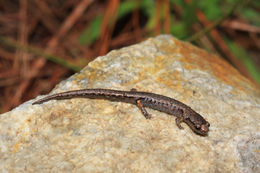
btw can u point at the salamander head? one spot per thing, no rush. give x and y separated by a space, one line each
198 124
202 129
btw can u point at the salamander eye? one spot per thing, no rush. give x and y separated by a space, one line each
198 126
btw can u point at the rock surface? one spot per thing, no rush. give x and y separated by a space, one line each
83 135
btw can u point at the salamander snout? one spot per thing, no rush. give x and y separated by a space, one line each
202 129
205 127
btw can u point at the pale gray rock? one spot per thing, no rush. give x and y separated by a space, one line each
84 135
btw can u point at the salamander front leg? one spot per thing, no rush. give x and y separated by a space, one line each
178 121
143 110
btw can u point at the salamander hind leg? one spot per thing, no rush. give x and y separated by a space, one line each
143 110
178 121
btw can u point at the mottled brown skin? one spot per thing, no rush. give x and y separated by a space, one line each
158 102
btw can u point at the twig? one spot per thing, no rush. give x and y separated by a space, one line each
222 45
36 51
69 22
214 24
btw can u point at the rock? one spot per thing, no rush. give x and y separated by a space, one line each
85 135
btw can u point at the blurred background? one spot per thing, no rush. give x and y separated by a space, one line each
45 41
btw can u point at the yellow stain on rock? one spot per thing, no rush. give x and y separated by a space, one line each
22 132
213 63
